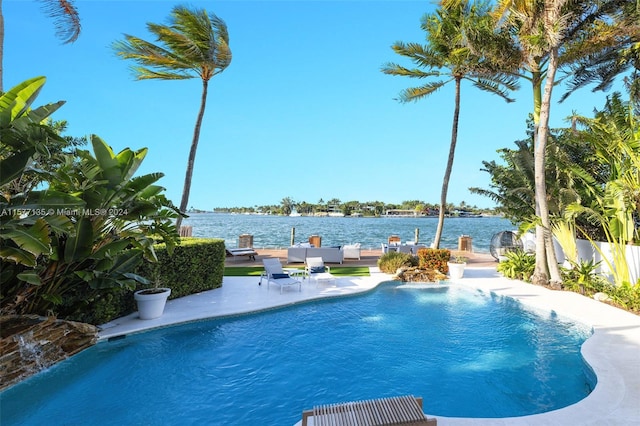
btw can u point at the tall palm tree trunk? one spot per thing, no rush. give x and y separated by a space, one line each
545 252
536 82
447 172
192 153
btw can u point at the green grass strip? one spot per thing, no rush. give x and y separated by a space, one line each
350 271
255 271
243 271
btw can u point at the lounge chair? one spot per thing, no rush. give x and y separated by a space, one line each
274 274
317 270
237 252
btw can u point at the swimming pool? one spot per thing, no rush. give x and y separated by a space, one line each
469 354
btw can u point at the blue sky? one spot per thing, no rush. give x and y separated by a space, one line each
303 110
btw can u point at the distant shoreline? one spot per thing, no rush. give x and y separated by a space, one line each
423 216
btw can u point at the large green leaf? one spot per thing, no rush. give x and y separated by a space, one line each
59 224
127 261
86 275
151 191
79 246
18 99
132 163
110 249
142 183
31 277
138 278
18 256
104 154
42 201
104 264
12 167
34 239
41 113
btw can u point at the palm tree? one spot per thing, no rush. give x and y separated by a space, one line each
545 30
513 179
605 50
193 44
287 204
66 20
450 56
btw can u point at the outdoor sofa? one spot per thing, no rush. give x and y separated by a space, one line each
299 254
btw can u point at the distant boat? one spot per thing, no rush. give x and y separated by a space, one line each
294 213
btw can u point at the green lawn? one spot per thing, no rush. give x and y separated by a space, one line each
255 271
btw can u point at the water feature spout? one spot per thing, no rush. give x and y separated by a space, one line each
31 352
31 344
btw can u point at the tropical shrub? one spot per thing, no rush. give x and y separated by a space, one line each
626 296
518 265
435 259
583 278
391 261
86 231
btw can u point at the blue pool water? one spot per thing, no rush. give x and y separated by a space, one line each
468 353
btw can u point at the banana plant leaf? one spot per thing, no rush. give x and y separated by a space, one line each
17 255
31 277
44 200
79 245
33 239
12 167
18 99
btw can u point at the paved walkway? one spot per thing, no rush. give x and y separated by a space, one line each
613 351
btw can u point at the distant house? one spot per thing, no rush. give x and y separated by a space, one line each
403 213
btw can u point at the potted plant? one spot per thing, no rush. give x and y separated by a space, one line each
456 267
151 301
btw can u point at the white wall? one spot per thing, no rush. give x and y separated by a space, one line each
586 251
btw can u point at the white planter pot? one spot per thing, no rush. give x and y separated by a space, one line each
456 270
151 305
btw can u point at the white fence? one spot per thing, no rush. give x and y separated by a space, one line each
586 251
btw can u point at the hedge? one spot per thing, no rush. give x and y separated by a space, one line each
196 265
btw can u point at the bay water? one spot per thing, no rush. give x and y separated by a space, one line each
276 231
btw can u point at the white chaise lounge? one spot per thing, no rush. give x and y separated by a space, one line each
274 274
239 252
317 270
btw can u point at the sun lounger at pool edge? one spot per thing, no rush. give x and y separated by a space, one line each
274 274
249 252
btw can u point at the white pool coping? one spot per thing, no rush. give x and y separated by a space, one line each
613 351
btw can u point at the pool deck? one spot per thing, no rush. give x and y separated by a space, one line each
613 351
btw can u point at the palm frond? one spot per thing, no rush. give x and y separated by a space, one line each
395 69
422 56
65 17
416 93
192 44
492 86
